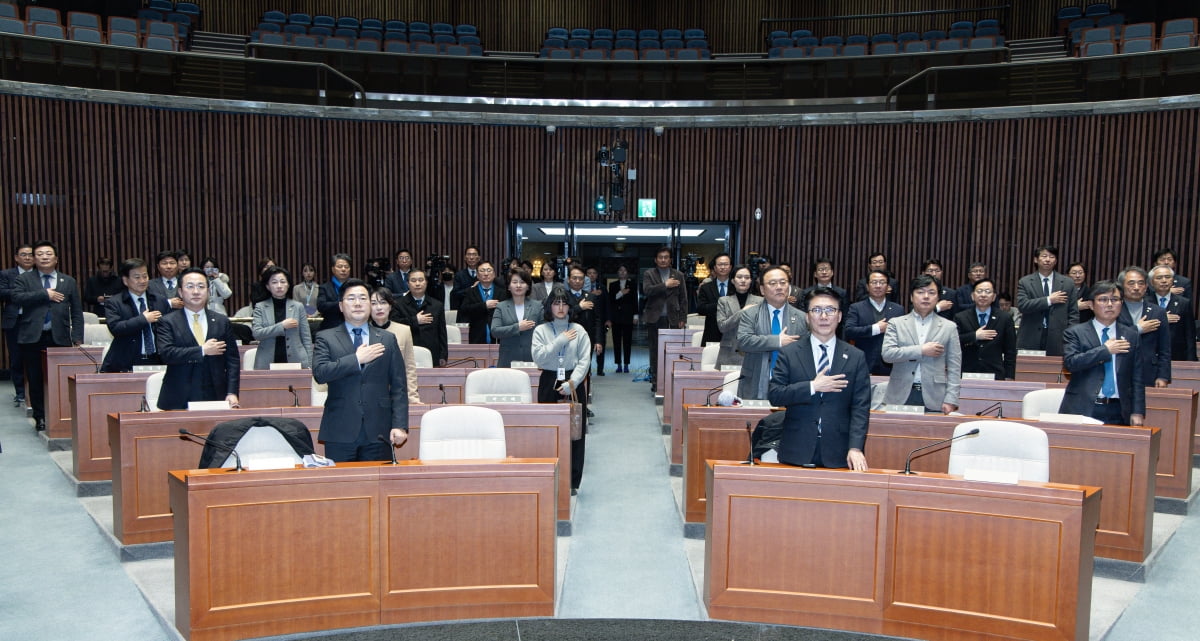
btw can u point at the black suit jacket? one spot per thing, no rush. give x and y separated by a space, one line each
371 397
462 284
475 312
1183 333
431 336
592 319
1032 303
1084 358
66 318
1155 348
621 310
126 324
192 376
858 322
706 305
8 282
329 305
397 282
860 290
997 356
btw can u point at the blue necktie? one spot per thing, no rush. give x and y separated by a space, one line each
487 327
722 285
1110 377
776 328
358 340
983 320
147 333
1162 302
46 285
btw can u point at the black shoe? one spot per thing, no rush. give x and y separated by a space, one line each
574 491
590 414
600 373
40 425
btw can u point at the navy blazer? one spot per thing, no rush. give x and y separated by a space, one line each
371 397
1183 333
66 318
431 336
189 371
474 311
1155 348
843 415
707 297
329 299
997 356
8 281
859 320
126 324
1084 358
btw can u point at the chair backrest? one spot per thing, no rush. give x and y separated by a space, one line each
708 356
86 34
260 441
462 432
153 388
12 25
8 10
497 380
1106 48
885 48
1176 41
857 49
122 39
83 19
982 42
159 43
950 44
423 356
698 337
96 334
916 46
1041 401
248 358
47 30
1138 30
1137 45
858 39
451 316
1179 25
336 43
623 54
695 320
1001 446
42 14
453 335
318 393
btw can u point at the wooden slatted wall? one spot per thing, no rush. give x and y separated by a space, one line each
128 181
732 25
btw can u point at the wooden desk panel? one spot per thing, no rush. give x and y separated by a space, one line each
484 355
686 388
713 433
485 531
1187 374
885 553
671 337
1044 369
676 362
1173 410
59 364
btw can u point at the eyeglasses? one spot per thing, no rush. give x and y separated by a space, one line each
777 283
823 311
355 299
984 292
1107 301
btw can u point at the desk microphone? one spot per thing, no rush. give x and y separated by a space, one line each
145 406
220 446
691 363
89 356
391 447
750 434
708 398
474 363
908 462
998 406
295 396
442 389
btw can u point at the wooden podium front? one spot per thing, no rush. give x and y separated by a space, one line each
929 556
280 552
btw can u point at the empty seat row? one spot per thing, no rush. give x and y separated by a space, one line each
1092 10
1137 45
1118 34
886 48
351 22
89 35
629 34
371 45
624 54
805 38
623 43
345 32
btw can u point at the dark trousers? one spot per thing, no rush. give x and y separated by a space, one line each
362 449
1110 413
16 367
622 335
653 328
548 393
31 357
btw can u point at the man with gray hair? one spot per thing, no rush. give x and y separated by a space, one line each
1180 319
1150 320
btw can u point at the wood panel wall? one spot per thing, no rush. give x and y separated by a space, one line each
128 181
732 25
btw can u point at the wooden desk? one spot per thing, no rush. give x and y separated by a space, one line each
676 361
145 446
366 544
930 556
95 396
1119 459
453 379
61 363
1046 369
671 337
1187 374
687 388
484 355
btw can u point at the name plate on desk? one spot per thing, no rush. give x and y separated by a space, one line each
208 405
753 402
149 368
731 368
978 376
523 364
285 366
903 409
502 398
1031 352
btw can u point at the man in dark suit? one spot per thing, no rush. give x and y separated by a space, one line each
987 335
963 298
588 310
824 384
330 293
595 287
198 348
12 311
1152 325
1180 319
51 316
397 281
867 322
622 305
367 406
479 304
1182 285
1047 302
465 278
945 304
878 262
1101 355
101 285
132 316
822 274
710 293
666 303
424 316
166 284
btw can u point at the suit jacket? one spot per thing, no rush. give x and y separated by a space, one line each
941 376
66 318
538 291
475 312
515 345
591 319
729 316
997 356
268 329
397 282
860 290
1032 303
373 397
8 282
706 305
1085 358
192 376
621 310
756 342
843 415
160 289
1183 333
431 336
462 284
859 320
656 293
329 305
126 323
1155 347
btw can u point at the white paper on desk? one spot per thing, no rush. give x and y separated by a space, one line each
208 405
285 366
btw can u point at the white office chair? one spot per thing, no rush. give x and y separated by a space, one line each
1041 401
451 317
695 320
153 387
261 443
244 312
248 358
318 394
708 356
104 352
96 334
731 380
462 432
453 335
90 319
483 383
1002 446
697 339
423 356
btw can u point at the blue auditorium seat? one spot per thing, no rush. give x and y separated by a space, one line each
278 17
982 42
396 25
694 34
696 44
466 30
672 34
649 44
161 5
626 34
593 54
47 30
373 24
606 34
441 27
885 48
469 40
43 14
962 24
304 41
824 51
858 39
269 38
687 54
348 22
418 27
10 25
1175 41
585 34
324 21
654 54
395 46
320 31
916 46
949 44
648 34
83 19
1138 30
372 34
801 33
1179 25
86 34
602 43
934 34
337 43
807 41
1097 9
671 45
624 54
160 43
856 49
907 36
1137 45
832 41
882 37
793 52
366 44
122 39
444 39
300 18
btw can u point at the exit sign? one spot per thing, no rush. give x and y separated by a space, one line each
647 208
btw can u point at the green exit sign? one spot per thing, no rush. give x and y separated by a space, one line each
647 208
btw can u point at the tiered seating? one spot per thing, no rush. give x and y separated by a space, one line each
625 44
1093 12
82 26
1139 37
802 43
367 34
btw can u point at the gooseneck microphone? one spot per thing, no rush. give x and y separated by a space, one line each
89 356
145 406
295 396
708 398
998 407
908 462
442 389
691 363
472 361
391 447
220 446
750 435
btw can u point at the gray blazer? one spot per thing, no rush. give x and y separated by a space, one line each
267 329
940 376
756 342
515 345
728 318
